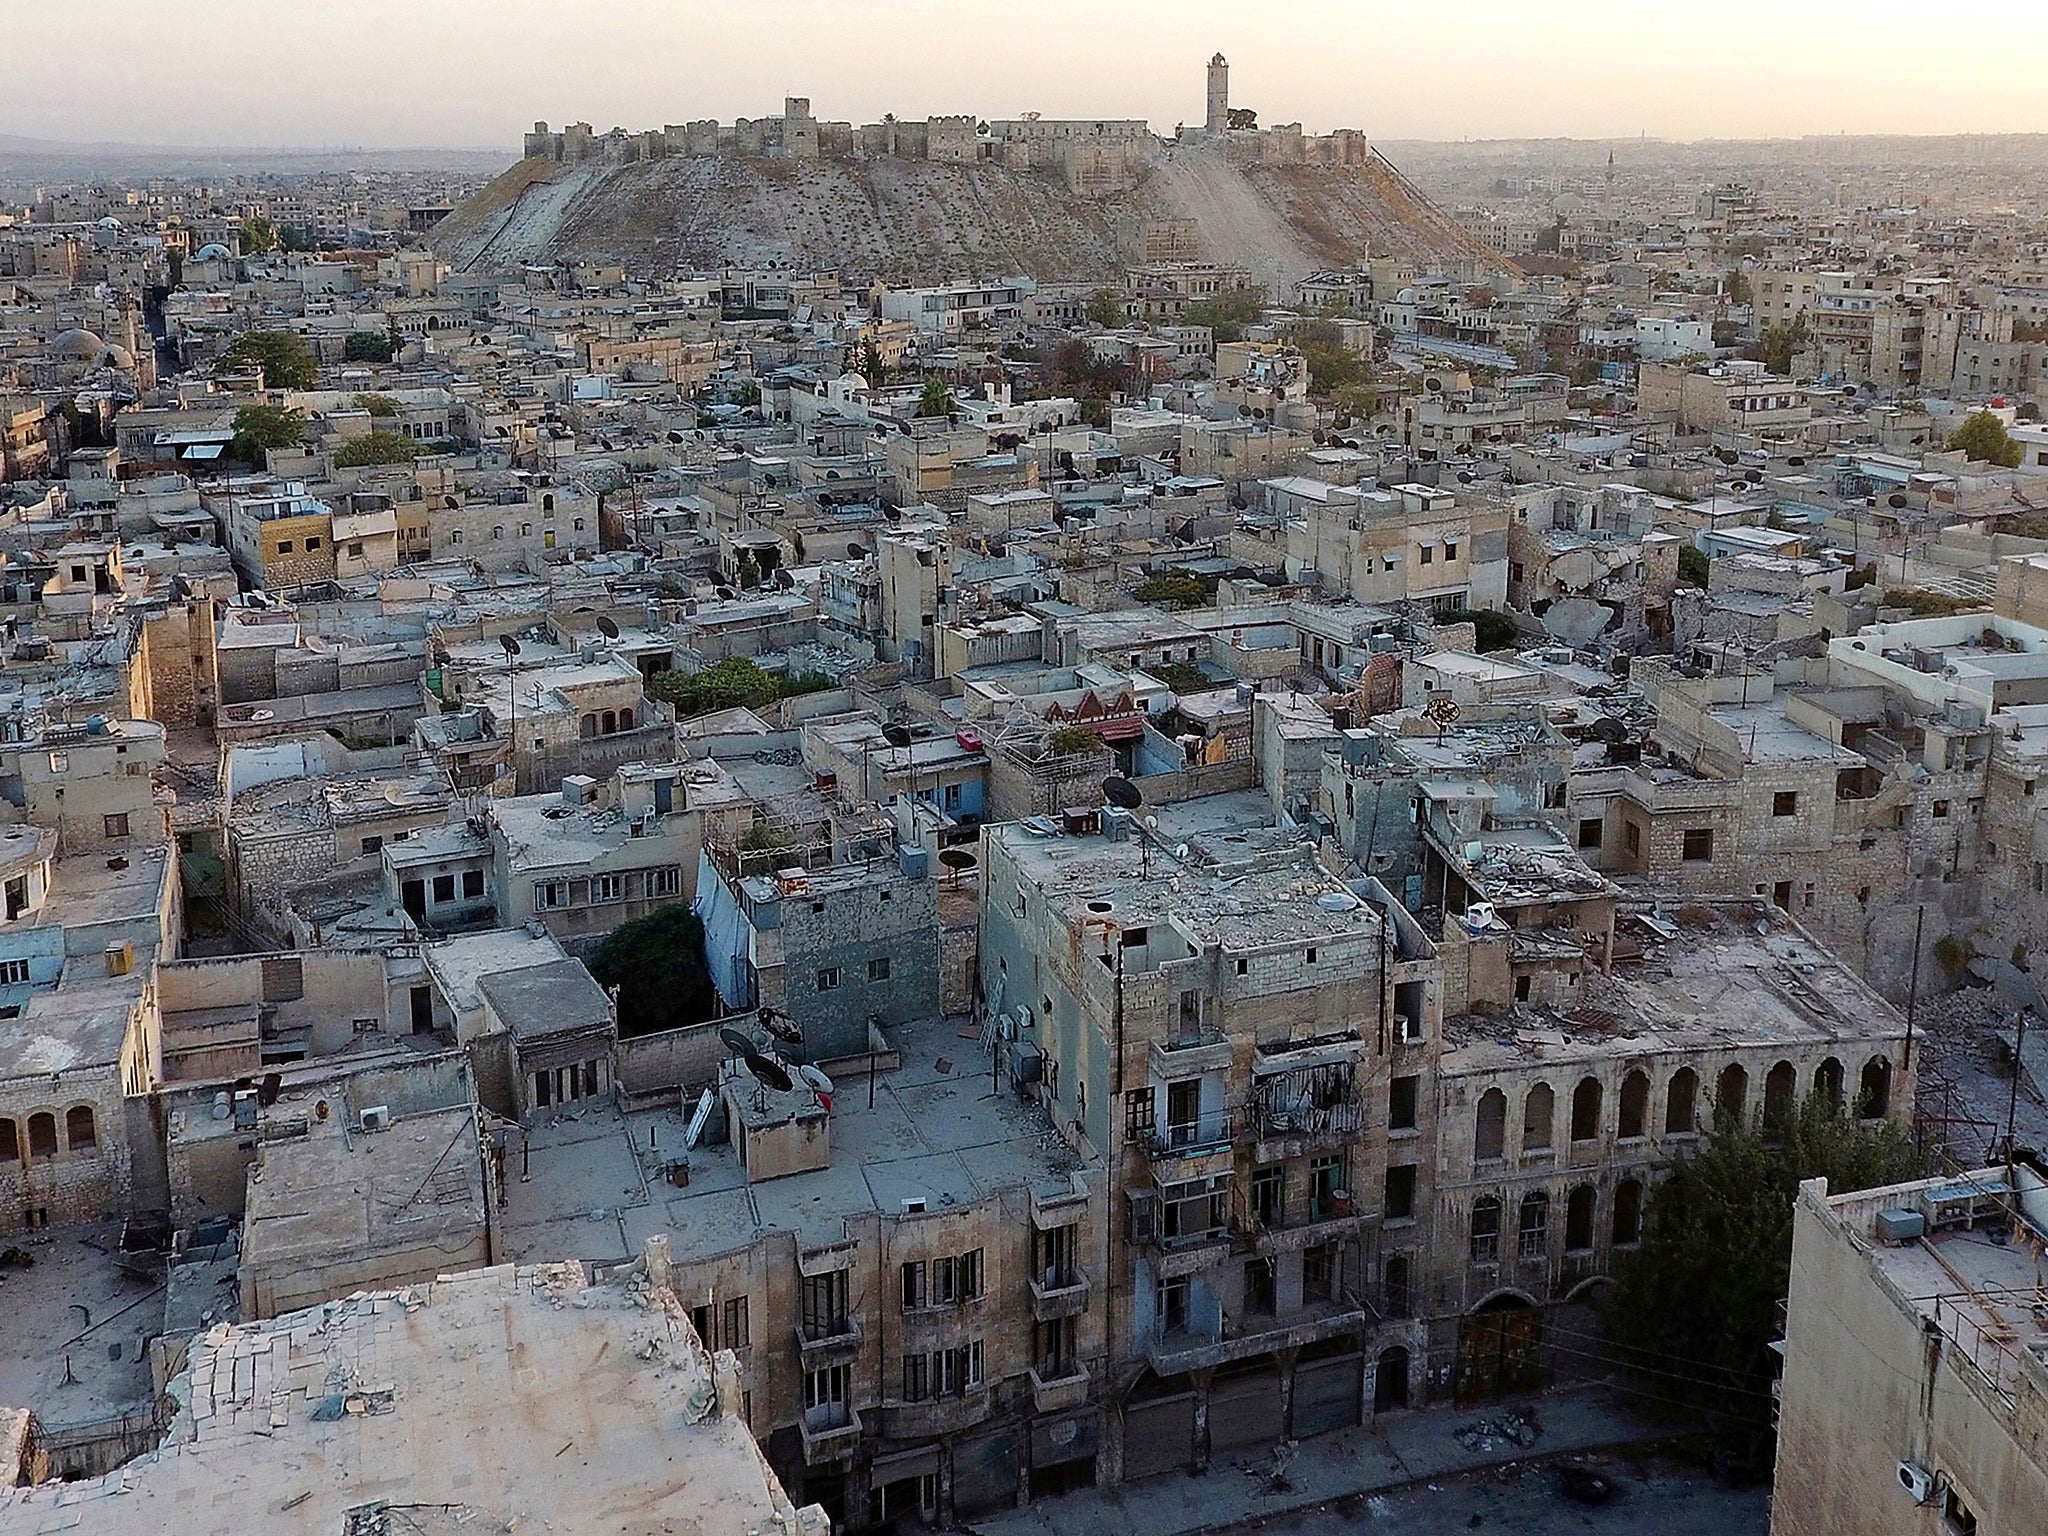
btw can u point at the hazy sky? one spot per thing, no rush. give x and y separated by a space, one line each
476 72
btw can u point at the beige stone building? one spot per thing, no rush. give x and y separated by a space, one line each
1916 1360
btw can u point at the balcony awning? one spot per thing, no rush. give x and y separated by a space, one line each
1319 1053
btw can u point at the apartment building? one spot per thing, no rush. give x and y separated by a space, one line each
1384 545
1735 397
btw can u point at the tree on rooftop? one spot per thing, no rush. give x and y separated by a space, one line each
1696 1303
258 235
935 399
287 362
1984 440
1737 287
259 428
744 393
377 405
376 448
1692 564
657 962
367 347
1780 345
1105 309
1228 313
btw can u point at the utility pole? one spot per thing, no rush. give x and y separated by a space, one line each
1913 988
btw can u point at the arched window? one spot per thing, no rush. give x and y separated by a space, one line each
1586 1109
1780 1084
1485 1230
547 502
1579 1208
1490 1129
609 724
587 727
42 1135
78 1129
1874 1094
1532 1231
1635 1104
625 719
1394 1285
10 1142
1827 1082
1681 1103
1539 1116
1730 1095
1628 1213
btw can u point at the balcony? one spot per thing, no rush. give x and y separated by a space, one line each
1291 1130
1057 1394
1054 1296
1170 1351
831 1431
935 1416
1207 1133
834 1348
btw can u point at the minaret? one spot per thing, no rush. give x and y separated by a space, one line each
1219 95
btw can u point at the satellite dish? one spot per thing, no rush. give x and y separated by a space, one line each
1896 499
768 1072
511 645
268 1089
779 1024
735 1042
957 858
855 552
896 735
606 627
1122 793
723 591
818 1083
783 580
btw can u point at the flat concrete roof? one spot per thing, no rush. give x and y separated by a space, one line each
74 1269
558 997
496 1399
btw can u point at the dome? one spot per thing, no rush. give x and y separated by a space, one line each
79 344
110 222
212 251
119 358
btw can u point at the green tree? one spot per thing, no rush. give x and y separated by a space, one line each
744 393
1356 402
259 428
377 405
735 683
1493 631
287 362
376 448
1692 564
1179 589
657 962
367 347
1226 314
1780 345
1737 287
935 399
1983 439
1105 309
871 366
258 235
1700 1296
296 237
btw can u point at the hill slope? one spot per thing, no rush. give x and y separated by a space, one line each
916 220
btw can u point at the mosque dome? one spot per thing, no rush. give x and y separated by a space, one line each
79 344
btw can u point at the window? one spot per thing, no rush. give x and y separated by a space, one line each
1628 1212
1785 803
1490 1130
1632 837
1579 1210
1730 1097
1874 1095
579 525
1428 554
916 1378
1485 1230
1681 1115
355 549
1635 1104
1318 1273
1402 1094
1309 956
1586 1109
1589 831
371 843
550 895
878 968
828 978
1327 1188
1450 549
526 530
284 546
1532 1231
115 825
10 1142
1137 1113
1941 810
311 545
824 1305
607 888
1956 1515
1697 845
1394 1285
13 973
472 883
444 887
915 1287
1400 1201
498 531
665 882
1539 1113
455 536
825 1397
1269 1197
42 1136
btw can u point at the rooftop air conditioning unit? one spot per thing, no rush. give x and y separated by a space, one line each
376 1118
